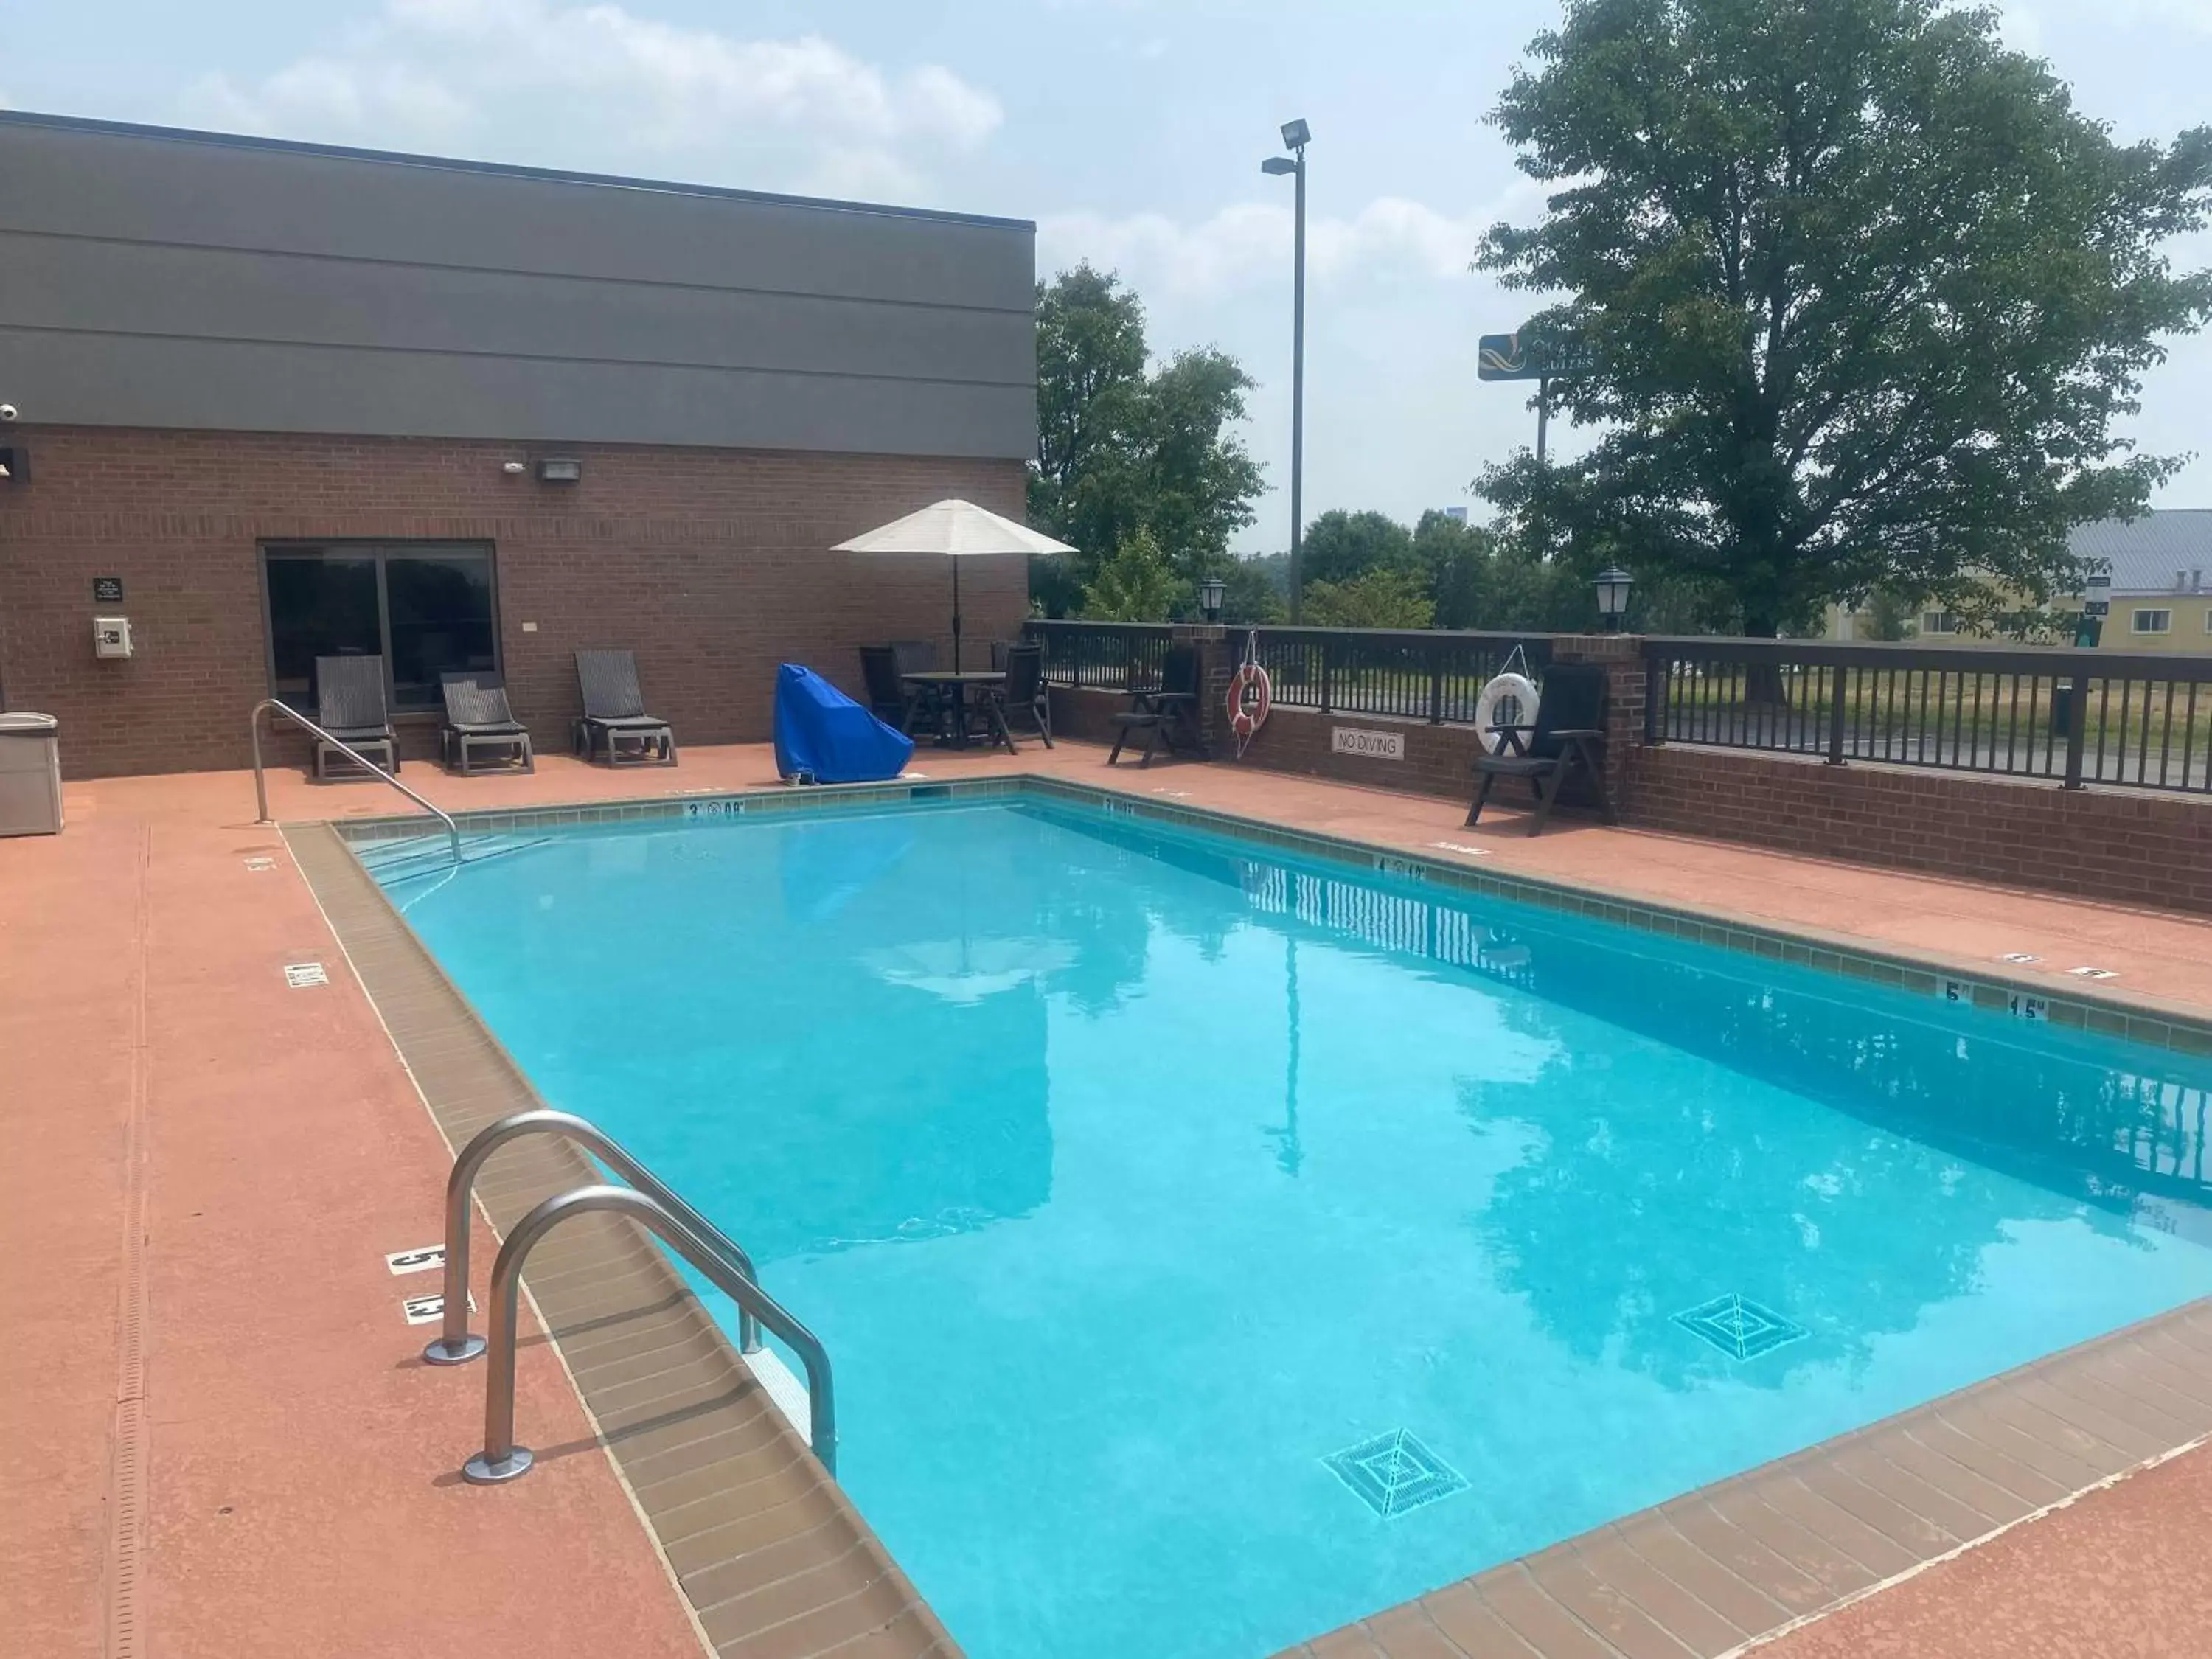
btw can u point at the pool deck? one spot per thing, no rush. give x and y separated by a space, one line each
224 1442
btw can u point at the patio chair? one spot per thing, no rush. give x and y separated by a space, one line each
350 706
1568 737
1166 714
477 717
1023 694
614 713
926 705
887 694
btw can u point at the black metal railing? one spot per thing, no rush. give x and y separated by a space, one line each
1100 656
1409 674
2074 716
1414 675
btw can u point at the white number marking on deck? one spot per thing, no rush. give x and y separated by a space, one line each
2021 957
2093 972
416 1261
301 975
428 1309
261 862
1462 848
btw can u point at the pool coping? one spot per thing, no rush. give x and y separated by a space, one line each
788 1567
774 1559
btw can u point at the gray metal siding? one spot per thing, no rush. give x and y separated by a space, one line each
166 281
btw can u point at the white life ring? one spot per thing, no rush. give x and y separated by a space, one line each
1490 707
1250 680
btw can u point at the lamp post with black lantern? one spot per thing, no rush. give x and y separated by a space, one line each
1295 137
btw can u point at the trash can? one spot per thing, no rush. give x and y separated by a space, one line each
30 775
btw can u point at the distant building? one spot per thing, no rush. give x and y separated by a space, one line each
1456 514
2160 565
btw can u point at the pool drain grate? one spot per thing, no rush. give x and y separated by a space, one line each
1738 1327
1395 1472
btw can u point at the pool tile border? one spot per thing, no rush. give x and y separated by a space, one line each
1706 1575
775 1560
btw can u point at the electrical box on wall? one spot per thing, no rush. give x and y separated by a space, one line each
111 636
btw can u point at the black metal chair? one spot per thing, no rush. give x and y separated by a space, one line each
1024 693
888 696
926 706
614 713
1568 736
477 716
350 706
1165 713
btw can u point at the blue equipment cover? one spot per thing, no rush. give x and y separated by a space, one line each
824 733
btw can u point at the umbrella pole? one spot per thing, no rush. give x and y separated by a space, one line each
956 616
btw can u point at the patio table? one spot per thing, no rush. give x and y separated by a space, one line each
953 687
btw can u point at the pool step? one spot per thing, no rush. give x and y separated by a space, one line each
405 858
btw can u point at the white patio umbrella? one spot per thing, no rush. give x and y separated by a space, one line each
956 530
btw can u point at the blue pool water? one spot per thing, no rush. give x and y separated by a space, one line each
1213 1247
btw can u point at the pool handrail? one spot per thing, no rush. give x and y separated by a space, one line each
261 783
502 1459
455 1344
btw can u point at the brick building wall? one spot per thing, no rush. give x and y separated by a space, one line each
712 565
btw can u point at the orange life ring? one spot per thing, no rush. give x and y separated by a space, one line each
1250 680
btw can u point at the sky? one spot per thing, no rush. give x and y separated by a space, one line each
1130 130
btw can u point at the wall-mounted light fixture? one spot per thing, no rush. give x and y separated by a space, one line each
513 469
560 469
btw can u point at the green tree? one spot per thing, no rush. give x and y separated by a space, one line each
1340 545
1382 597
1137 584
1456 557
1863 293
1257 591
1121 449
1887 612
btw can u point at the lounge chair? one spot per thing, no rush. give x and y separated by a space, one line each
1024 694
1568 737
477 717
614 714
1167 714
350 706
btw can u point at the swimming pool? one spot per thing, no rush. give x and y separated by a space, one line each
1215 1246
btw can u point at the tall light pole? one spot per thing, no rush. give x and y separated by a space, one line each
1295 136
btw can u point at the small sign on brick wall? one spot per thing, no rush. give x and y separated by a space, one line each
1373 745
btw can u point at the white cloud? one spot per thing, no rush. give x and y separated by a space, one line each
1250 243
805 110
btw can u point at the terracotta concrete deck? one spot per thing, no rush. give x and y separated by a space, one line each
227 1449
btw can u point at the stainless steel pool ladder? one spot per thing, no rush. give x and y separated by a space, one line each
653 1205
270 705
